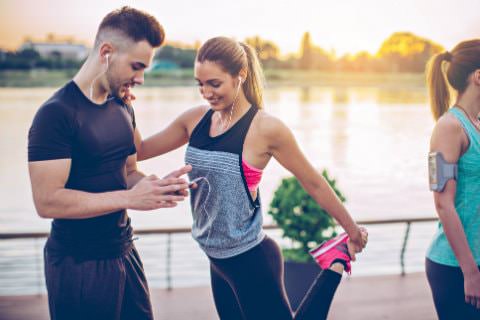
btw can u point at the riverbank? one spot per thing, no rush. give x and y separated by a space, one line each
184 77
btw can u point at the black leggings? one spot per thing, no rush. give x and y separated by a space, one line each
250 286
448 292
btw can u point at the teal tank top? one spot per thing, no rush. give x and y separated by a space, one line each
467 199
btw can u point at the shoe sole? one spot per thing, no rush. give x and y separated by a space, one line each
319 251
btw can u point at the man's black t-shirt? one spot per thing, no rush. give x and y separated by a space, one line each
98 139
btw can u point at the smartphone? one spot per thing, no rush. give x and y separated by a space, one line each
432 170
191 183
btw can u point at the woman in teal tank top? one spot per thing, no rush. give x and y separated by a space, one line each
453 258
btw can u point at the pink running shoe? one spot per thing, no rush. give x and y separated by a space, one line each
331 251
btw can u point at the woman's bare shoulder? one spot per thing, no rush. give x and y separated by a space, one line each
269 124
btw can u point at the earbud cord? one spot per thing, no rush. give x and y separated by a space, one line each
94 79
231 110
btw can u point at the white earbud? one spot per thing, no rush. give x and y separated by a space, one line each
240 81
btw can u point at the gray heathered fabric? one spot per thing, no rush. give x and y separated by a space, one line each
225 222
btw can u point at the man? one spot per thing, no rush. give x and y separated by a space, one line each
82 164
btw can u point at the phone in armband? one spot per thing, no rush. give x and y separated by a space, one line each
440 171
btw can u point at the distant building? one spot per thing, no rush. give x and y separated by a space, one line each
64 50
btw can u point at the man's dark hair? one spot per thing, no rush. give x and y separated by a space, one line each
134 24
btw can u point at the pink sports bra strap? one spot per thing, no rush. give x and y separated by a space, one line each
252 175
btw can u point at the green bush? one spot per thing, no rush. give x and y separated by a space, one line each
301 219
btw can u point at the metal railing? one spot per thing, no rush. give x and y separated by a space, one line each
408 223
170 232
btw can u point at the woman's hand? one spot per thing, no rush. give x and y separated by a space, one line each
472 288
357 241
128 97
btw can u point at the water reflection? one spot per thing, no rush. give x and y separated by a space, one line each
373 140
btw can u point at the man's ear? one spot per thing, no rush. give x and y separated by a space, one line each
476 77
105 51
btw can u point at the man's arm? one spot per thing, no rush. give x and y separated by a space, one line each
53 200
133 175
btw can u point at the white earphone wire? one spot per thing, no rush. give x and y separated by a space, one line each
95 79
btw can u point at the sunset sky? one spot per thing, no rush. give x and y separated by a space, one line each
342 25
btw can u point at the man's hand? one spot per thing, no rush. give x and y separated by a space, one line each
177 174
154 193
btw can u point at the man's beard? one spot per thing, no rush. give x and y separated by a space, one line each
115 86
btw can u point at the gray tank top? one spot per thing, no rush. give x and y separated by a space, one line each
226 220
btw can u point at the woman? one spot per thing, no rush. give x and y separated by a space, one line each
230 143
453 259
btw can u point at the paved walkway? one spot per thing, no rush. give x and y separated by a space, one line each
359 298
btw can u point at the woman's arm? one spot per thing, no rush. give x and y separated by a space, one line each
449 138
172 137
284 148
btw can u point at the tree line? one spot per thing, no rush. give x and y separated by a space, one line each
401 52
